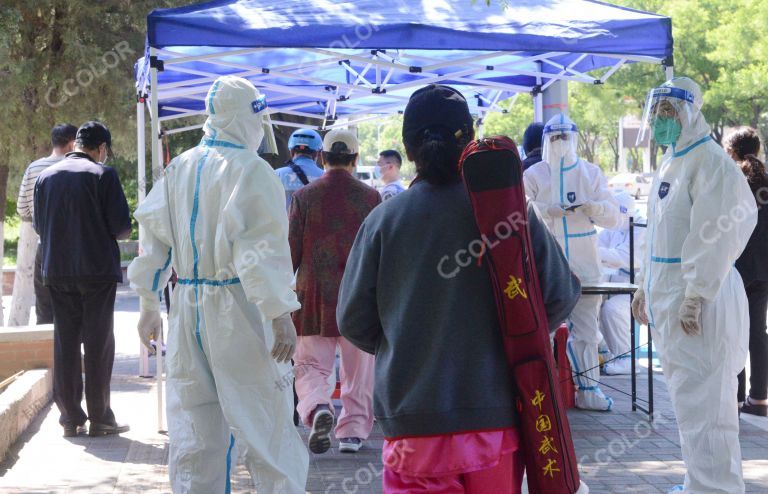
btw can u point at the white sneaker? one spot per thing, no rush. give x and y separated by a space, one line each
350 444
593 399
619 367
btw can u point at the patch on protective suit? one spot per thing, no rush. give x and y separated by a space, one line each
572 197
259 104
623 210
663 190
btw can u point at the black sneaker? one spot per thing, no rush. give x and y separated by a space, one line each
754 408
322 423
97 429
74 430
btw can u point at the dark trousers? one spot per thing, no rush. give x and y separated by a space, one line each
43 307
83 314
757 295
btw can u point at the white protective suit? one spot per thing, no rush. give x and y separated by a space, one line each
613 247
563 180
701 214
218 217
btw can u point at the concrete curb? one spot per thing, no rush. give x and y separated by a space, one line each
20 404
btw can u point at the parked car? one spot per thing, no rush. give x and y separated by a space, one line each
635 184
364 173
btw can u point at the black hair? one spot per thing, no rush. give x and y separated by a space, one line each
63 134
744 145
338 159
302 150
391 153
436 152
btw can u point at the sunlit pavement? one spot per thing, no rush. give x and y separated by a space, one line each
618 451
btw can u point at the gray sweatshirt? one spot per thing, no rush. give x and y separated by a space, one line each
431 322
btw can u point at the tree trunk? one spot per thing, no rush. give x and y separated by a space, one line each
23 283
3 193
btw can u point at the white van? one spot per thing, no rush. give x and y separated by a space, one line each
365 174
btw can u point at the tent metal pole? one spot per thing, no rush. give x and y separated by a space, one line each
157 166
157 169
141 151
538 100
669 72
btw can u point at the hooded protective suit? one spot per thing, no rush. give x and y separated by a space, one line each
217 216
613 246
562 181
700 216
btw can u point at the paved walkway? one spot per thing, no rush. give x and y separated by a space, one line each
618 451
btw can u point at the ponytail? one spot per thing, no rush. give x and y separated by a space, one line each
743 146
437 151
754 170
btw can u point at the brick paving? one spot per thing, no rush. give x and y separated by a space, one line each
618 451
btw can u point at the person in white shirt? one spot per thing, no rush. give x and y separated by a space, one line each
388 171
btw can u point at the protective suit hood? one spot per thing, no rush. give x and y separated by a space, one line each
685 96
562 150
237 114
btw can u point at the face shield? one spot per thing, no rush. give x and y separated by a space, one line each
668 110
266 144
560 138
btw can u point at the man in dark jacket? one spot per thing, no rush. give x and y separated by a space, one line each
80 212
532 144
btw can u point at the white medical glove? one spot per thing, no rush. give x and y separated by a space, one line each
591 208
285 338
150 323
690 315
638 307
556 211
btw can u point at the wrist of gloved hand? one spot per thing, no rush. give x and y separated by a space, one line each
146 304
690 315
556 211
592 208
638 306
285 338
150 323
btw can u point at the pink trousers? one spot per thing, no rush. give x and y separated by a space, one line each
505 478
314 361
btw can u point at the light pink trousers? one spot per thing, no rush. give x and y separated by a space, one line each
314 361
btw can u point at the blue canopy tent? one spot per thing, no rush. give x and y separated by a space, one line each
339 63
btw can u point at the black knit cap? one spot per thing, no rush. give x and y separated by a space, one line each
435 106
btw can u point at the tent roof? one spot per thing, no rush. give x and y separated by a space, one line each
359 57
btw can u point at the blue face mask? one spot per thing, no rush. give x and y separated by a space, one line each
377 172
666 131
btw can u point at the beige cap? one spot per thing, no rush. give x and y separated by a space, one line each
340 141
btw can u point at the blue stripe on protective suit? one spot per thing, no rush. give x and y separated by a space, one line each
156 280
220 143
207 282
696 144
577 235
228 486
192 224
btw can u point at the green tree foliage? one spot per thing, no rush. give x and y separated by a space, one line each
69 61
386 133
512 123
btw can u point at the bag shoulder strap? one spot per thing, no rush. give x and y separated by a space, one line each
298 171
